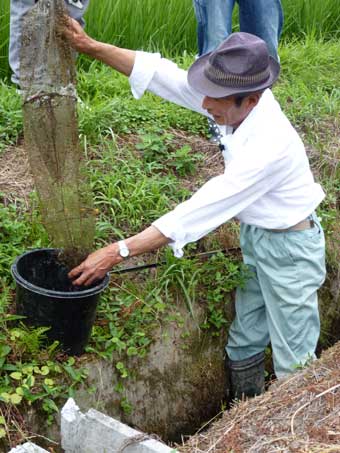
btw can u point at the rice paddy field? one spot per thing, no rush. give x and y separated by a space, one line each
169 25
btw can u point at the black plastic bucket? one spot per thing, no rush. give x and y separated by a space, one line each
46 297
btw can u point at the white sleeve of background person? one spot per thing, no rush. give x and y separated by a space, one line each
164 78
268 182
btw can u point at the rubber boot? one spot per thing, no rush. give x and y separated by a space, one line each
247 376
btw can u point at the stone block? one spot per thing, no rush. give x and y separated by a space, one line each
28 447
95 432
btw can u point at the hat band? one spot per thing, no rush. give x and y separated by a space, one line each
224 79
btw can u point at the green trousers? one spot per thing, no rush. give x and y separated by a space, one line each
279 304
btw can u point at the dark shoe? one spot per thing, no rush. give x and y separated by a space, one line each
247 376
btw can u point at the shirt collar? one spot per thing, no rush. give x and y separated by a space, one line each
254 121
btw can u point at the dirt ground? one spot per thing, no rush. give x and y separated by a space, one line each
15 176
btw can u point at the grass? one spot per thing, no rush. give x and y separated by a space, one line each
4 38
309 87
10 115
320 19
109 105
308 90
170 26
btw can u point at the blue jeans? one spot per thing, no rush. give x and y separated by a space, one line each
18 9
263 18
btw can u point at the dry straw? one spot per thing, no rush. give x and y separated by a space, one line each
300 414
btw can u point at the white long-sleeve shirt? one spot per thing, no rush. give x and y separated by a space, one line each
267 180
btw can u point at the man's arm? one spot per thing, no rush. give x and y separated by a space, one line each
146 71
98 263
122 60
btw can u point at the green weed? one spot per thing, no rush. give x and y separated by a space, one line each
157 147
309 17
10 115
19 231
309 88
4 38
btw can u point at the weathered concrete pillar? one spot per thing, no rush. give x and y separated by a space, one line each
28 447
95 432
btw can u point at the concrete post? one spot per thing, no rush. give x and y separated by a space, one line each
28 447
95 432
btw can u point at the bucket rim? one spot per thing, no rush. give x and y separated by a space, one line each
52 293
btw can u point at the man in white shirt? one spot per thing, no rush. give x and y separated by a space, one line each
267 185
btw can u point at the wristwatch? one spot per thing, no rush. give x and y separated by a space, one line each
124 252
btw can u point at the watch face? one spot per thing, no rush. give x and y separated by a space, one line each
124 252
123 249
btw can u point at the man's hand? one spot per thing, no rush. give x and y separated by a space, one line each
96 265
122 60
76 36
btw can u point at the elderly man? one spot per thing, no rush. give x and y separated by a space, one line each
267 185
18 9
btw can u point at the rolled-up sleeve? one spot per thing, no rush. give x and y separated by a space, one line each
143 71
165 79
220 199
211 206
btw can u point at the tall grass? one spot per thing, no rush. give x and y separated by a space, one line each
170 25
320 18
144 24
4 34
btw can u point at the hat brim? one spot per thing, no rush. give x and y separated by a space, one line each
198 80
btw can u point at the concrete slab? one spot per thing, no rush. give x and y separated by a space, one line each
28 447
95 432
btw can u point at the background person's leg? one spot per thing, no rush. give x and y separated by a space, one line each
218 23
18 8
263 18
214 24
201 18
